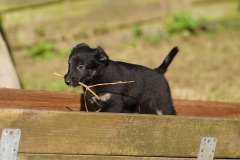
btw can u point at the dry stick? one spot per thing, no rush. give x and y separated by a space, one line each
104 84
87 88
85 101
95 85
84 85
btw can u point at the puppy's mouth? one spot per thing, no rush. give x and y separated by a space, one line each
70 86
73 85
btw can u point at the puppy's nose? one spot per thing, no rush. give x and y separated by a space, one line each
67 81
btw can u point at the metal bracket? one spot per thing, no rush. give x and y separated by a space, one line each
207 148
9 144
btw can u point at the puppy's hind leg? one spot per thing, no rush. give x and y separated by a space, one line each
169 110
162 107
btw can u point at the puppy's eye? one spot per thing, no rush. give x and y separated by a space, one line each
80 66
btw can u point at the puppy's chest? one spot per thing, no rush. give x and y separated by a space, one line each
103 97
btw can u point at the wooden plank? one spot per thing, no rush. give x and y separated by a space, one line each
93 157
83 17
57 132
29 99
6 5
43 100
90 157
8 75
207 109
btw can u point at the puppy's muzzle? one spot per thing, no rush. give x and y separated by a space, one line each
71 81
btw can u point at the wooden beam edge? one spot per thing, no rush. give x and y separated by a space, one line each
23 156
119 134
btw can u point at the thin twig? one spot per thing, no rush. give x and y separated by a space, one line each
85 101
104 84
58 74
88 88
95 85
84 85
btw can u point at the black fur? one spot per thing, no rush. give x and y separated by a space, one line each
149 94
167 61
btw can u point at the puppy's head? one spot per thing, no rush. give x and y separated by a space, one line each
84 64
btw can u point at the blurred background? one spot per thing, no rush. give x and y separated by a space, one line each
40 34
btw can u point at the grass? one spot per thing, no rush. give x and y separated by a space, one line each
205 69
45 50
182 23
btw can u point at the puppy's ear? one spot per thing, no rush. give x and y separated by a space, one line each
101 56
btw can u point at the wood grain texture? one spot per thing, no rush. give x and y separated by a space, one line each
59 132
90 157
45 100
207 109
93 157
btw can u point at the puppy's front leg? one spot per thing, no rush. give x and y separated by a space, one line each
108 102
97 104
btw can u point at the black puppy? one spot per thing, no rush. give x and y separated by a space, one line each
149 94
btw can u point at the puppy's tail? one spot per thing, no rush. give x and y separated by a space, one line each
167 61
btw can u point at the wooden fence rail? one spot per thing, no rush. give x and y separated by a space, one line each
51 131
43 100
76 133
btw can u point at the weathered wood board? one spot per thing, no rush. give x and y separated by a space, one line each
76 133
90 157
44 100
207 109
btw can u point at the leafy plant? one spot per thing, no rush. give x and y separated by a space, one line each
42 50
46 50
182 23
137 31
